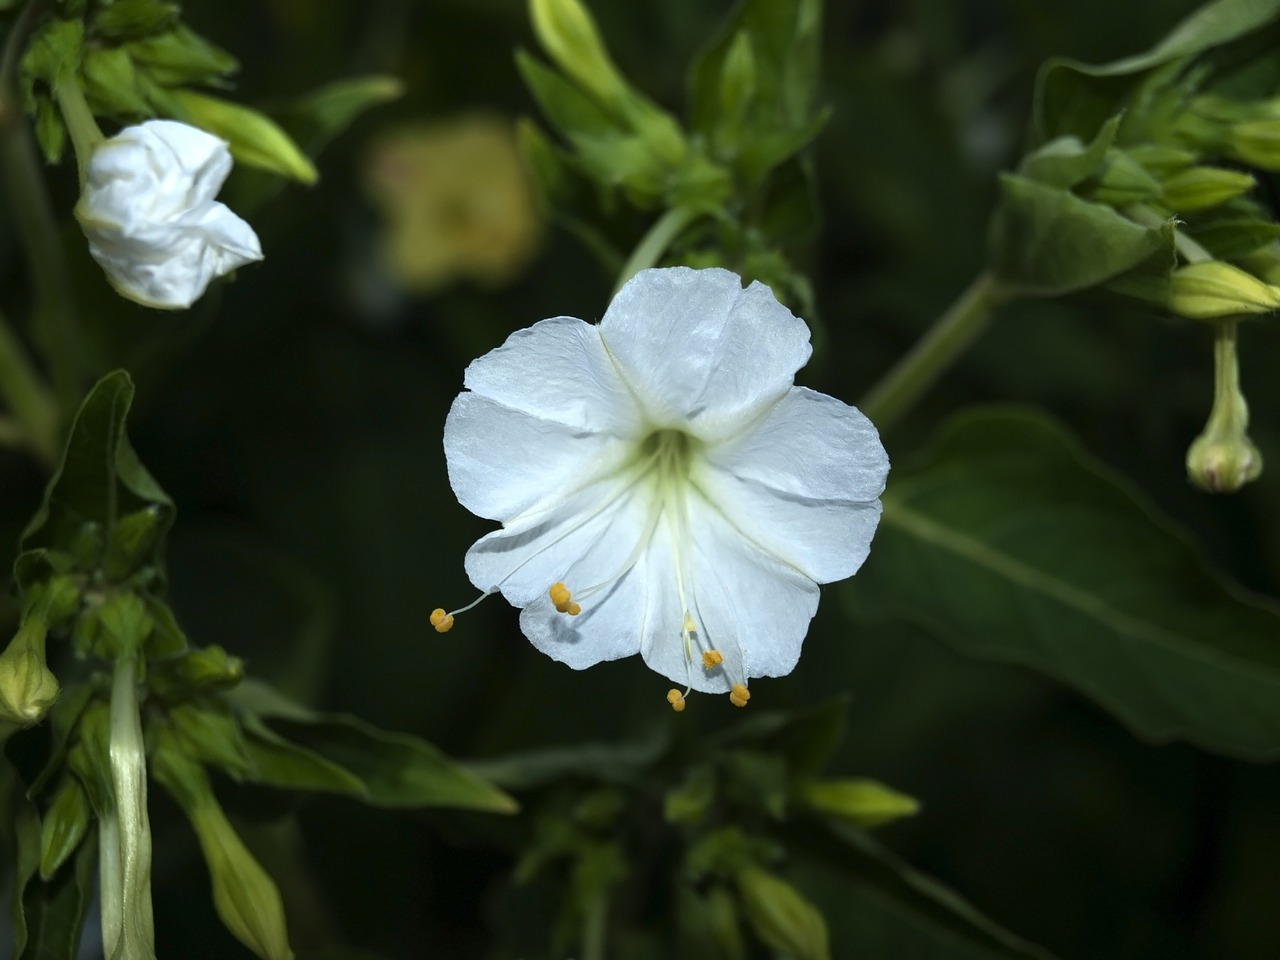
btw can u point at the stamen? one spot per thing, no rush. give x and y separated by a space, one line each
711 659
443 622
676 699
562 600
739 695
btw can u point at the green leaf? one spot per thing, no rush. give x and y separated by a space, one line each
55 911
568 108
608 762
208 732
1009 542
396 769
326 112
1066 161
1076 98
1234 237
278 763
1045 241
132 19
100 477
898 911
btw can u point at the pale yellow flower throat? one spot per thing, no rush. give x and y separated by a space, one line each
663 461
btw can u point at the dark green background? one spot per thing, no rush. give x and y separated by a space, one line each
295 417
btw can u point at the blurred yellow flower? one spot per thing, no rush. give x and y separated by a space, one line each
457 203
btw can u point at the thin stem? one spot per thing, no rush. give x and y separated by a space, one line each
1190 250
938 349
56 330
655 243
27 397
595 929
85 134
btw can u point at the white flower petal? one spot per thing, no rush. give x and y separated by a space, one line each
201 159
700 352
503 463
810 445
747 596
558 370
803 484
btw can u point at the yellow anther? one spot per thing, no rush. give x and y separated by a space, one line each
712 659
562 600
676 699
739 694
443 622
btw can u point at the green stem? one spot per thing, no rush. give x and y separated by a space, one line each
655 243
84 130
34 410
56 332
595 929
938 349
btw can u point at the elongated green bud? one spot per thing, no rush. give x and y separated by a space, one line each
1213 289
1198 188
781 917
866 803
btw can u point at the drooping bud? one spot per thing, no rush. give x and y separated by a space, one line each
28 687
1223 458
1213 289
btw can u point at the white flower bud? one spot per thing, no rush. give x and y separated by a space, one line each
149 213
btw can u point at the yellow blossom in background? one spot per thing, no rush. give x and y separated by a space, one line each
456 201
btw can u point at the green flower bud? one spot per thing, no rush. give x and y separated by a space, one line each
63 826
1257 143
28 687
245 897
1213 289
1123 181
569 35
781 917
208 667
865 803
124 625
1223 458
132 542
1198 188
1161 161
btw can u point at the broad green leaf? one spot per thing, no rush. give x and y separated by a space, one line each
1046 241
100 477
1075 98
1009 542
396 769
1066 161
608 762
278 763
887 909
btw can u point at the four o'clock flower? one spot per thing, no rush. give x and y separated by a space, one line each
663 487
148 209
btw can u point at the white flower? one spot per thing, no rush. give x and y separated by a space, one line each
664 489
149 212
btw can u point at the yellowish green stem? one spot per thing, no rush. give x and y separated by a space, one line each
655 243
948 338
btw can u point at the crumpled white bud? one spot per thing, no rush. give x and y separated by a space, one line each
148 210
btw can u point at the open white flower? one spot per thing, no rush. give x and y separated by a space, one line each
663 486
149 213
